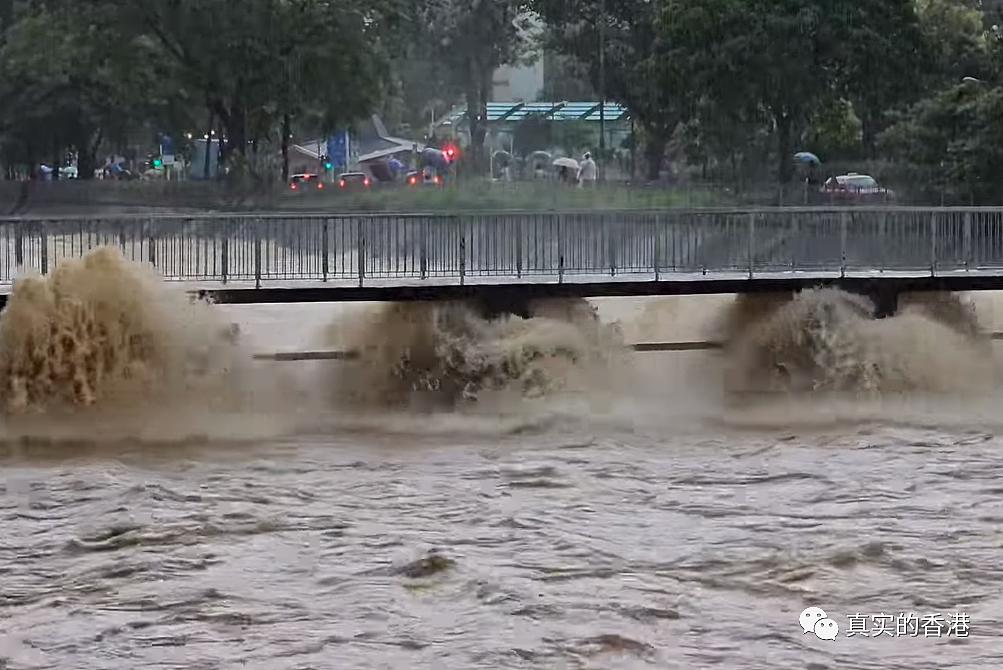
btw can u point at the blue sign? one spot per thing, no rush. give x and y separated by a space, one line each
166 146
337 148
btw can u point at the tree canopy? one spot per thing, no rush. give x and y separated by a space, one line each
736 87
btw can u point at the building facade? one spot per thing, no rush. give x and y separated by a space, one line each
520 83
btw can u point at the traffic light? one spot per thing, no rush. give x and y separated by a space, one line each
157 162
326 160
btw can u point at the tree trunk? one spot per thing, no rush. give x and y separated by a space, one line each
87 150
56 161
475 120
285 147
208 146
869 134
785 165
655 141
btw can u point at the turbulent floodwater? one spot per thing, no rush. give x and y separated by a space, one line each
524 494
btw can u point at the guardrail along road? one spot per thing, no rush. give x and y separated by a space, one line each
589 253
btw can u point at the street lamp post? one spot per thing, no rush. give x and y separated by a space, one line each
602 91
975 80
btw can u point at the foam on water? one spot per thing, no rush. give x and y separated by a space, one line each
104 349
444 356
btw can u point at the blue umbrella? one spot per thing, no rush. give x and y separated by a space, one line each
807 157
435 158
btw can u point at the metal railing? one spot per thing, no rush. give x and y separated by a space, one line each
512 246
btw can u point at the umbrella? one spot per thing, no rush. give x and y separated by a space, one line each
502 157
806 157
567 163
540 157
435 158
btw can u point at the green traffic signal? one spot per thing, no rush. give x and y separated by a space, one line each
157 162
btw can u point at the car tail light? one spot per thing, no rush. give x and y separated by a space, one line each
341 183
411 180
365 182
436 179
320 184
292 186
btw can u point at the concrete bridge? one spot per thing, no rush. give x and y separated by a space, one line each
504 259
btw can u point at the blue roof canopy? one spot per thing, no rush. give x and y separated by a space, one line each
557 111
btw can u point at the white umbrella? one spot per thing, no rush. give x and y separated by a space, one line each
566 162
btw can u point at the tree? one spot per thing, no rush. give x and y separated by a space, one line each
78 91
258 63
884 54
641 70
955 135
472 39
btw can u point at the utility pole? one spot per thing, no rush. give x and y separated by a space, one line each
602 92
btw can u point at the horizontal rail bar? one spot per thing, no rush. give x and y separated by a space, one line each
349 354
301 213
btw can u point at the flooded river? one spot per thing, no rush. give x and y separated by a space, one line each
592 509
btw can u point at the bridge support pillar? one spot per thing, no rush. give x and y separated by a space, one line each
886 301
497 304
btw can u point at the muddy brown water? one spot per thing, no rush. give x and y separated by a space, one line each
662 528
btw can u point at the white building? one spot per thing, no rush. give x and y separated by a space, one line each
519 83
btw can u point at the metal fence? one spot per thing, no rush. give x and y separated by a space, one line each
512 246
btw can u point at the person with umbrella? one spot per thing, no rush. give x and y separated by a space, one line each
567 170
396 167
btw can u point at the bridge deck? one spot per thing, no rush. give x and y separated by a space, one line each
560 253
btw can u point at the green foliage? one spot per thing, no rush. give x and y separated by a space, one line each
112 68
469 40
957 136
733 87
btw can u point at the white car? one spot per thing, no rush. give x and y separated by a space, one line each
853 183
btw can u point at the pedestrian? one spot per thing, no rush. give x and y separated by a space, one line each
587 171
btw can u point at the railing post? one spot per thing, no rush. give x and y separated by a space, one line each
752 243
657 251
611 247
151 242
257 253
463 249
423 230
43 239
19 244
324 249
361 253
518 244
225 231
843 228
966 246
882 240
933 243
121 237
560 251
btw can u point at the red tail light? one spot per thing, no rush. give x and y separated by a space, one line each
341 183
411 180
320 184
436 179
292 186
365 182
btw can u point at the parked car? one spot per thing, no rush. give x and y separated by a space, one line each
353 180
856 186
423 178
299 182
